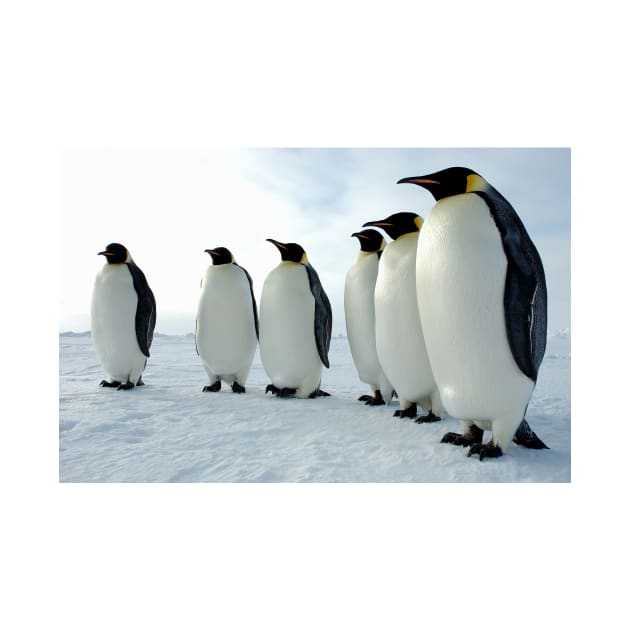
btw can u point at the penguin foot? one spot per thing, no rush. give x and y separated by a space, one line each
237 388
473 435
105 383
373 401
140 382
485 450
430 417
215 387
410 412
524 436
457 439
127 385
285 392
317 393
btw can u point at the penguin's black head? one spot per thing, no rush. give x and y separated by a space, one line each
370 240
220 255
448 182
398 224
115 253
290 252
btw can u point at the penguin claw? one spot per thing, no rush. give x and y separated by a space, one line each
127 385
285 392
455 438
215 387
410 412
473 435
374 402
485 450
105 383
430 417
237 388
317 393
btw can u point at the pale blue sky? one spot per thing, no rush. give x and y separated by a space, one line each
167 206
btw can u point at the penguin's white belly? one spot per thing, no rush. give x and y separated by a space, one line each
462 266
226 334
287 339
113 321
399 337
360 322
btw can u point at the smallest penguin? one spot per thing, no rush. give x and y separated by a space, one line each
360 319
122 318
227 322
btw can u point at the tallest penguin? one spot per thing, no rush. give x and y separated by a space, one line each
486 326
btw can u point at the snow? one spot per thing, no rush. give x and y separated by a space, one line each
169 430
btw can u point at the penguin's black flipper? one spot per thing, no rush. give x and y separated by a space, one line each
251 290
145 311
525 296
323 314
524 436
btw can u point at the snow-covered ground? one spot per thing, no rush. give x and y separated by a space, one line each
170 430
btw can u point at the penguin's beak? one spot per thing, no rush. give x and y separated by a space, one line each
277 244
210 251
358 235
105 253
419 181
381 224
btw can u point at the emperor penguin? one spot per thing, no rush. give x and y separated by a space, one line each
295 325
399 337
486 325
122 318
227 322
360 321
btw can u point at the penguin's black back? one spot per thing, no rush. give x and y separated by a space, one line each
323 315
525 295
251 290
145 311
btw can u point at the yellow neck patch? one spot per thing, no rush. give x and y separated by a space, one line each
304 259
418 221
475 183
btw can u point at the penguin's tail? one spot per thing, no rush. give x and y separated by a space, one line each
524 436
